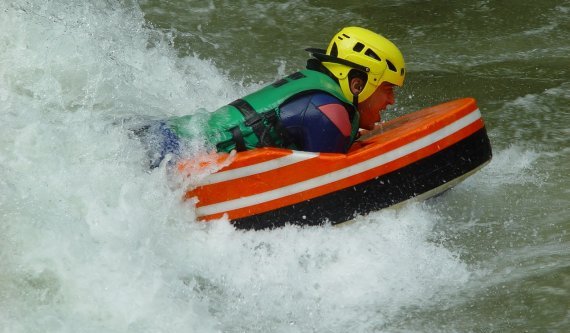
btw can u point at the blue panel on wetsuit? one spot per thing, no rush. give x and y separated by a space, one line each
310 128
159 140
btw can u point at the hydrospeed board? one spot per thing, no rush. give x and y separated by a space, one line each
414 156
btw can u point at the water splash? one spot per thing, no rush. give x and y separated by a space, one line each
92 241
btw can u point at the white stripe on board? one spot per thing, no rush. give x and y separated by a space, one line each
296 156
342 173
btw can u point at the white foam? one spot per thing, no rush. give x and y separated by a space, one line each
295 279
514 165
91 241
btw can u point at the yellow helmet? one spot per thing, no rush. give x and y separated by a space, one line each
362 49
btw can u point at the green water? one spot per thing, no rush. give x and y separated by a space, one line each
91 241
514 58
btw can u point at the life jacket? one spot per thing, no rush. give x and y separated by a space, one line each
253 121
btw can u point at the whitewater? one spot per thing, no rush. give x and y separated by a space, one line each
91 240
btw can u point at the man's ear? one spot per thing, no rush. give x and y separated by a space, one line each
356 85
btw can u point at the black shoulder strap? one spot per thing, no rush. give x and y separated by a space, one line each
238 138
253 119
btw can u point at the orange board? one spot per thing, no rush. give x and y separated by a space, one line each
265 180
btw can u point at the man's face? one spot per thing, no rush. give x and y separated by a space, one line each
370 109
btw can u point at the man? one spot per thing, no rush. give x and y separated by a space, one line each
319 109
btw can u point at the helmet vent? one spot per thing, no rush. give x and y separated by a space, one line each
391 66
334 50
345 35
372 54
358 47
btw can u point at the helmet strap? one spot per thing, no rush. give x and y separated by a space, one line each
355 100
321 55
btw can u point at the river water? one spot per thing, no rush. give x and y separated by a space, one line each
91 241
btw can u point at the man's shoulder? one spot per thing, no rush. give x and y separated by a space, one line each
322 98
316 98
